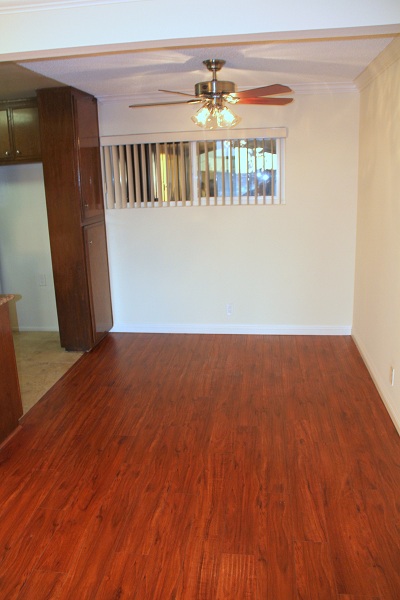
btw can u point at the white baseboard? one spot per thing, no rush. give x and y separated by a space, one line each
384 389
224 328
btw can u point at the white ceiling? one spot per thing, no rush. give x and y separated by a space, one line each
136 76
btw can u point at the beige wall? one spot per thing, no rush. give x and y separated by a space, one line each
25 262
285 268
376 326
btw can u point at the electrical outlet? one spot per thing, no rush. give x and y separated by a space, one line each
42 280
229 310
392 376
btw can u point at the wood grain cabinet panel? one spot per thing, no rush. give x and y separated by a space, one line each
10 397
72 176
87 136
5 138
96 257
19 132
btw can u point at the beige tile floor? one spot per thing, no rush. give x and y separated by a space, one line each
41 362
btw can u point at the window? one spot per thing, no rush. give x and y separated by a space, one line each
212 172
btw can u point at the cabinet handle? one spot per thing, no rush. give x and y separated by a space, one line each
6 153
90 242
17 152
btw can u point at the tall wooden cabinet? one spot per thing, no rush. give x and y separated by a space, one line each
72 175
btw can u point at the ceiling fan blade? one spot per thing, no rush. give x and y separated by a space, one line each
270 101
180 93
267 90
164 103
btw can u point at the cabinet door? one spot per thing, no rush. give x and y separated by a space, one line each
99 284
26 133
5 141
89 157
90 181
10 397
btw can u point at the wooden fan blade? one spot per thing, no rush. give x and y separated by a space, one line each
270 101
267 90
180 93
163 103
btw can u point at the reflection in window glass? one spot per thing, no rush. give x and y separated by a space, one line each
239 170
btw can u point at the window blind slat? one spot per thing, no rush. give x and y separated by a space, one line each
167 185
109 179
231 174
207 174
193 191
264 172
171 169
174 158
214 149
255 172
273 168
122 166
199 175
248 176
239 173
151 176
223 172
159 178
182 177
136 170
144 173
117 177
129 168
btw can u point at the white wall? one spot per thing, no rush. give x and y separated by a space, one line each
44 30
285 268
376 326
25 248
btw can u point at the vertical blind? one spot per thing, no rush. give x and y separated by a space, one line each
194 173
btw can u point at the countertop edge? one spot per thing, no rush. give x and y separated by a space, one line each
4 298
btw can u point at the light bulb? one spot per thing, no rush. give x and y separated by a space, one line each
211 116
227 118
202 116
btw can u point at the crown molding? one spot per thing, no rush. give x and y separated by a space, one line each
382 62
19 6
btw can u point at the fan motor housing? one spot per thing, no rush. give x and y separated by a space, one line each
214 87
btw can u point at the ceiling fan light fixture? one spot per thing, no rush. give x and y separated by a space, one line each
227 118
231 99
202 116
215 116
215 97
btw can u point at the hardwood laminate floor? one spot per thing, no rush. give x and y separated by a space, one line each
190 467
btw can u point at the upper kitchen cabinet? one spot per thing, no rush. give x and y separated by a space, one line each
19 132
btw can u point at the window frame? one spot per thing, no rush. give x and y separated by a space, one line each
116 198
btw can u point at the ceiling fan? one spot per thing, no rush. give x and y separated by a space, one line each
216 95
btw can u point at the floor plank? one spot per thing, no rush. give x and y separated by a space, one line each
194 467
